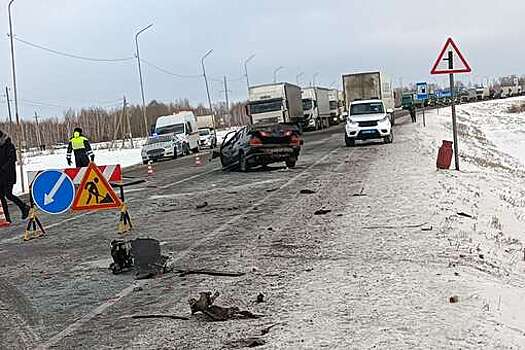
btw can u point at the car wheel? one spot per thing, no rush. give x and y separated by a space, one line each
390 138
349 141
145 162
186 150
243 164
290 162
195 150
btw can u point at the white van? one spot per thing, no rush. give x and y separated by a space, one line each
184 126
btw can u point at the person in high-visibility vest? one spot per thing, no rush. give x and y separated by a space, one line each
79 145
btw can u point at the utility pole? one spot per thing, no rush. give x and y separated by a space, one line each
21 136
246 70
38 136
226 99
276 70
126 113
8 102
146 126
208 91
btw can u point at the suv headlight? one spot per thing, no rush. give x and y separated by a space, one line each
352 123
385 119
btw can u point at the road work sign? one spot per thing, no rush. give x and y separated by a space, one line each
94 192
450 60
53 191
422 91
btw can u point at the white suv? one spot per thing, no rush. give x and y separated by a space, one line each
368 120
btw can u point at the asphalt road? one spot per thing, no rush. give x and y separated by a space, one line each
53 282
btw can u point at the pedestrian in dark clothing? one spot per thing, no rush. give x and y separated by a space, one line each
8 176
80 146
413 114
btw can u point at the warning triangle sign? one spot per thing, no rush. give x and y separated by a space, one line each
450 60
94 192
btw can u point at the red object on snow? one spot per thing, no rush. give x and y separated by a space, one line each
445 155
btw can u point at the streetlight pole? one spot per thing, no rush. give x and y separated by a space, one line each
21 136
246 70
275 73
208 91
314 79
297 77
146 127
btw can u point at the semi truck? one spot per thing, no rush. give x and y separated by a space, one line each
369 86
316 107
275 103
335 107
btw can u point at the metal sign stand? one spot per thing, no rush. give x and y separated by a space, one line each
454 120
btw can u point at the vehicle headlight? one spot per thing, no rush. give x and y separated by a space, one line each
385 119
353 123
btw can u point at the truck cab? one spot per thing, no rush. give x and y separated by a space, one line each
368 120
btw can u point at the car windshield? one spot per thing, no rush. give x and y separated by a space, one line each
204 132
367 108
266 106
307 104
170 129
155 139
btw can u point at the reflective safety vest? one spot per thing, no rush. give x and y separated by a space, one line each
77 142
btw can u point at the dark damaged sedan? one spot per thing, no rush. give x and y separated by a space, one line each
253 146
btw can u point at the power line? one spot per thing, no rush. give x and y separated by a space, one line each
160 69
84 58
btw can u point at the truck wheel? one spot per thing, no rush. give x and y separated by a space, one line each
243 164
348 141
290 162
390 138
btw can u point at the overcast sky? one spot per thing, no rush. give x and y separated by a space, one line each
331 37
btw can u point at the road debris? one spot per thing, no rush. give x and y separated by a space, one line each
266 330
454 299
360 194
183 273
426 227
251 342
307 191
465 215
201 205
173 317
260 298
217 313
121 254
322 211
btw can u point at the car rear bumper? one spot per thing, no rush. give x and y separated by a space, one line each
271 154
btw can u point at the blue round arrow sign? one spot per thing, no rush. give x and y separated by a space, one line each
53 191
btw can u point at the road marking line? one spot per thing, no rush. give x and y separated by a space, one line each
126 291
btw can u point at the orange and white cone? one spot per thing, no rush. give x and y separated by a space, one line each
150 169
3 221
198 161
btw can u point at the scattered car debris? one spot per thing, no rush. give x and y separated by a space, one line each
121 254
202 205
465 215
272 189
260 298
251 342
183 273
217 313
453 299
322 211
360 194
266 330
426 227
138 289
307 191
173 317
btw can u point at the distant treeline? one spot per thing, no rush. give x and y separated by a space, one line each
101 124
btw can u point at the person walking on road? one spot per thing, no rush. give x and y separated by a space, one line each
79 145
8 177
413 114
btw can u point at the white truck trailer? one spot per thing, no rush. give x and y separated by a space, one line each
316 107
369 86
275 103
335 107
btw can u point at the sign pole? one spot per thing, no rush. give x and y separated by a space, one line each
424 121
454 122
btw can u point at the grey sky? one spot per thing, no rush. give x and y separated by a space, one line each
329 36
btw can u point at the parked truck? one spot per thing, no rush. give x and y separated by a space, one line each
369 86
335 107
275 103
316 107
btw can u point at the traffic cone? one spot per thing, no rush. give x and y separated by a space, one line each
3 221
198 161
150 169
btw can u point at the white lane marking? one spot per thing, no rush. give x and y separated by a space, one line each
126 291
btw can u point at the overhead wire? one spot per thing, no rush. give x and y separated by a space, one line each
61 53
163 70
